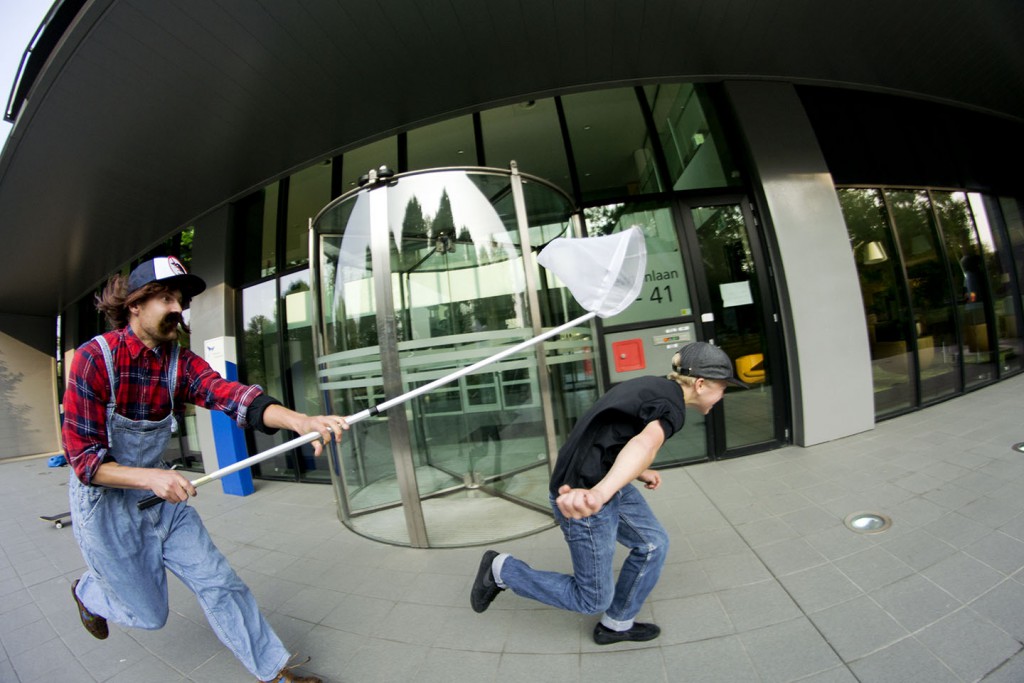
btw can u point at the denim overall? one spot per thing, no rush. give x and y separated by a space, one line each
127 549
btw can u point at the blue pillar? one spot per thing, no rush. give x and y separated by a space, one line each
228 438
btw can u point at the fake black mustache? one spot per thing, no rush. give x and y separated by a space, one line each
172 320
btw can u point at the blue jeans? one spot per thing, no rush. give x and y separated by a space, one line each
591 588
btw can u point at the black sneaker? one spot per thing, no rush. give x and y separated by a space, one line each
93 623
639 633
484 588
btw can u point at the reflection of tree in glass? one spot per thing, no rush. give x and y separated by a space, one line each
602 220
255 370
13 420
443 221
956 221
414 224
865 217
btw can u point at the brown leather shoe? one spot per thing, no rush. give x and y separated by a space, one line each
288 675
93 623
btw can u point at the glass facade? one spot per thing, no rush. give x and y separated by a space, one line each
610 144
940 273
691 137
937 268
936 277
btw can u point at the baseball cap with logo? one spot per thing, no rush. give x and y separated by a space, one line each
168 271
700 359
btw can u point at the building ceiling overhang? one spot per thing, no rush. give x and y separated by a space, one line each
149 114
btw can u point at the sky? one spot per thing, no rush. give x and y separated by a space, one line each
19 20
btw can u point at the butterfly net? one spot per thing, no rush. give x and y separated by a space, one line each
604 274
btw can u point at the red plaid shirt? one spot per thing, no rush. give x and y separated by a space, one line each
141 393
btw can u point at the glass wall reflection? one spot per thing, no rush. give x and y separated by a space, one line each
936 271
886 306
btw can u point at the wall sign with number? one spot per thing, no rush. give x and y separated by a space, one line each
664 293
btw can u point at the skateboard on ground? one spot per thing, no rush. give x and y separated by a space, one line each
58 520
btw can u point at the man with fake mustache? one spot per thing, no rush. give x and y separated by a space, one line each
124 387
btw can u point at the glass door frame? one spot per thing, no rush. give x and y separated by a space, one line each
770 319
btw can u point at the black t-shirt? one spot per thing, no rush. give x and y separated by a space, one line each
617 417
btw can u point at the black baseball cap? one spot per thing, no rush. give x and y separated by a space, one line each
168 271
700 359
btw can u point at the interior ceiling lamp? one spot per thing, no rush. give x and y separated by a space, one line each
874 252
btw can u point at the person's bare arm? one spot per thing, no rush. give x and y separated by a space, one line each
329 426
633 460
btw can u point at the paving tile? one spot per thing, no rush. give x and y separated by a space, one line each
788 651
329 651
838 542
67 670
820 587
1014 527
685 620
919 549
873 568
113 656
1011 671
468 630
991 512
811 519
782 503
729 571
681 579
1004 607
758 605
715 659
857 627
359 614
546 631
28 636
43 659
790 556
823 492
20 617
766 531
311 604
905 661
716 543
440 665
919 483
150 670
916 512
968 644
519 667
442 590
915 602
7 670
999 551
951 496
979 481
962 576
180 642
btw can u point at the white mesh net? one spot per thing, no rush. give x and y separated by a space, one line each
604 274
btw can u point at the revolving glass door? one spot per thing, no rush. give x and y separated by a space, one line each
419 275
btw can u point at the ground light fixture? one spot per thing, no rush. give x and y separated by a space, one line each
867 522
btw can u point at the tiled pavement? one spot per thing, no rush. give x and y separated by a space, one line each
764 583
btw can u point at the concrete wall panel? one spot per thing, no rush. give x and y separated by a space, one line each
825 334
